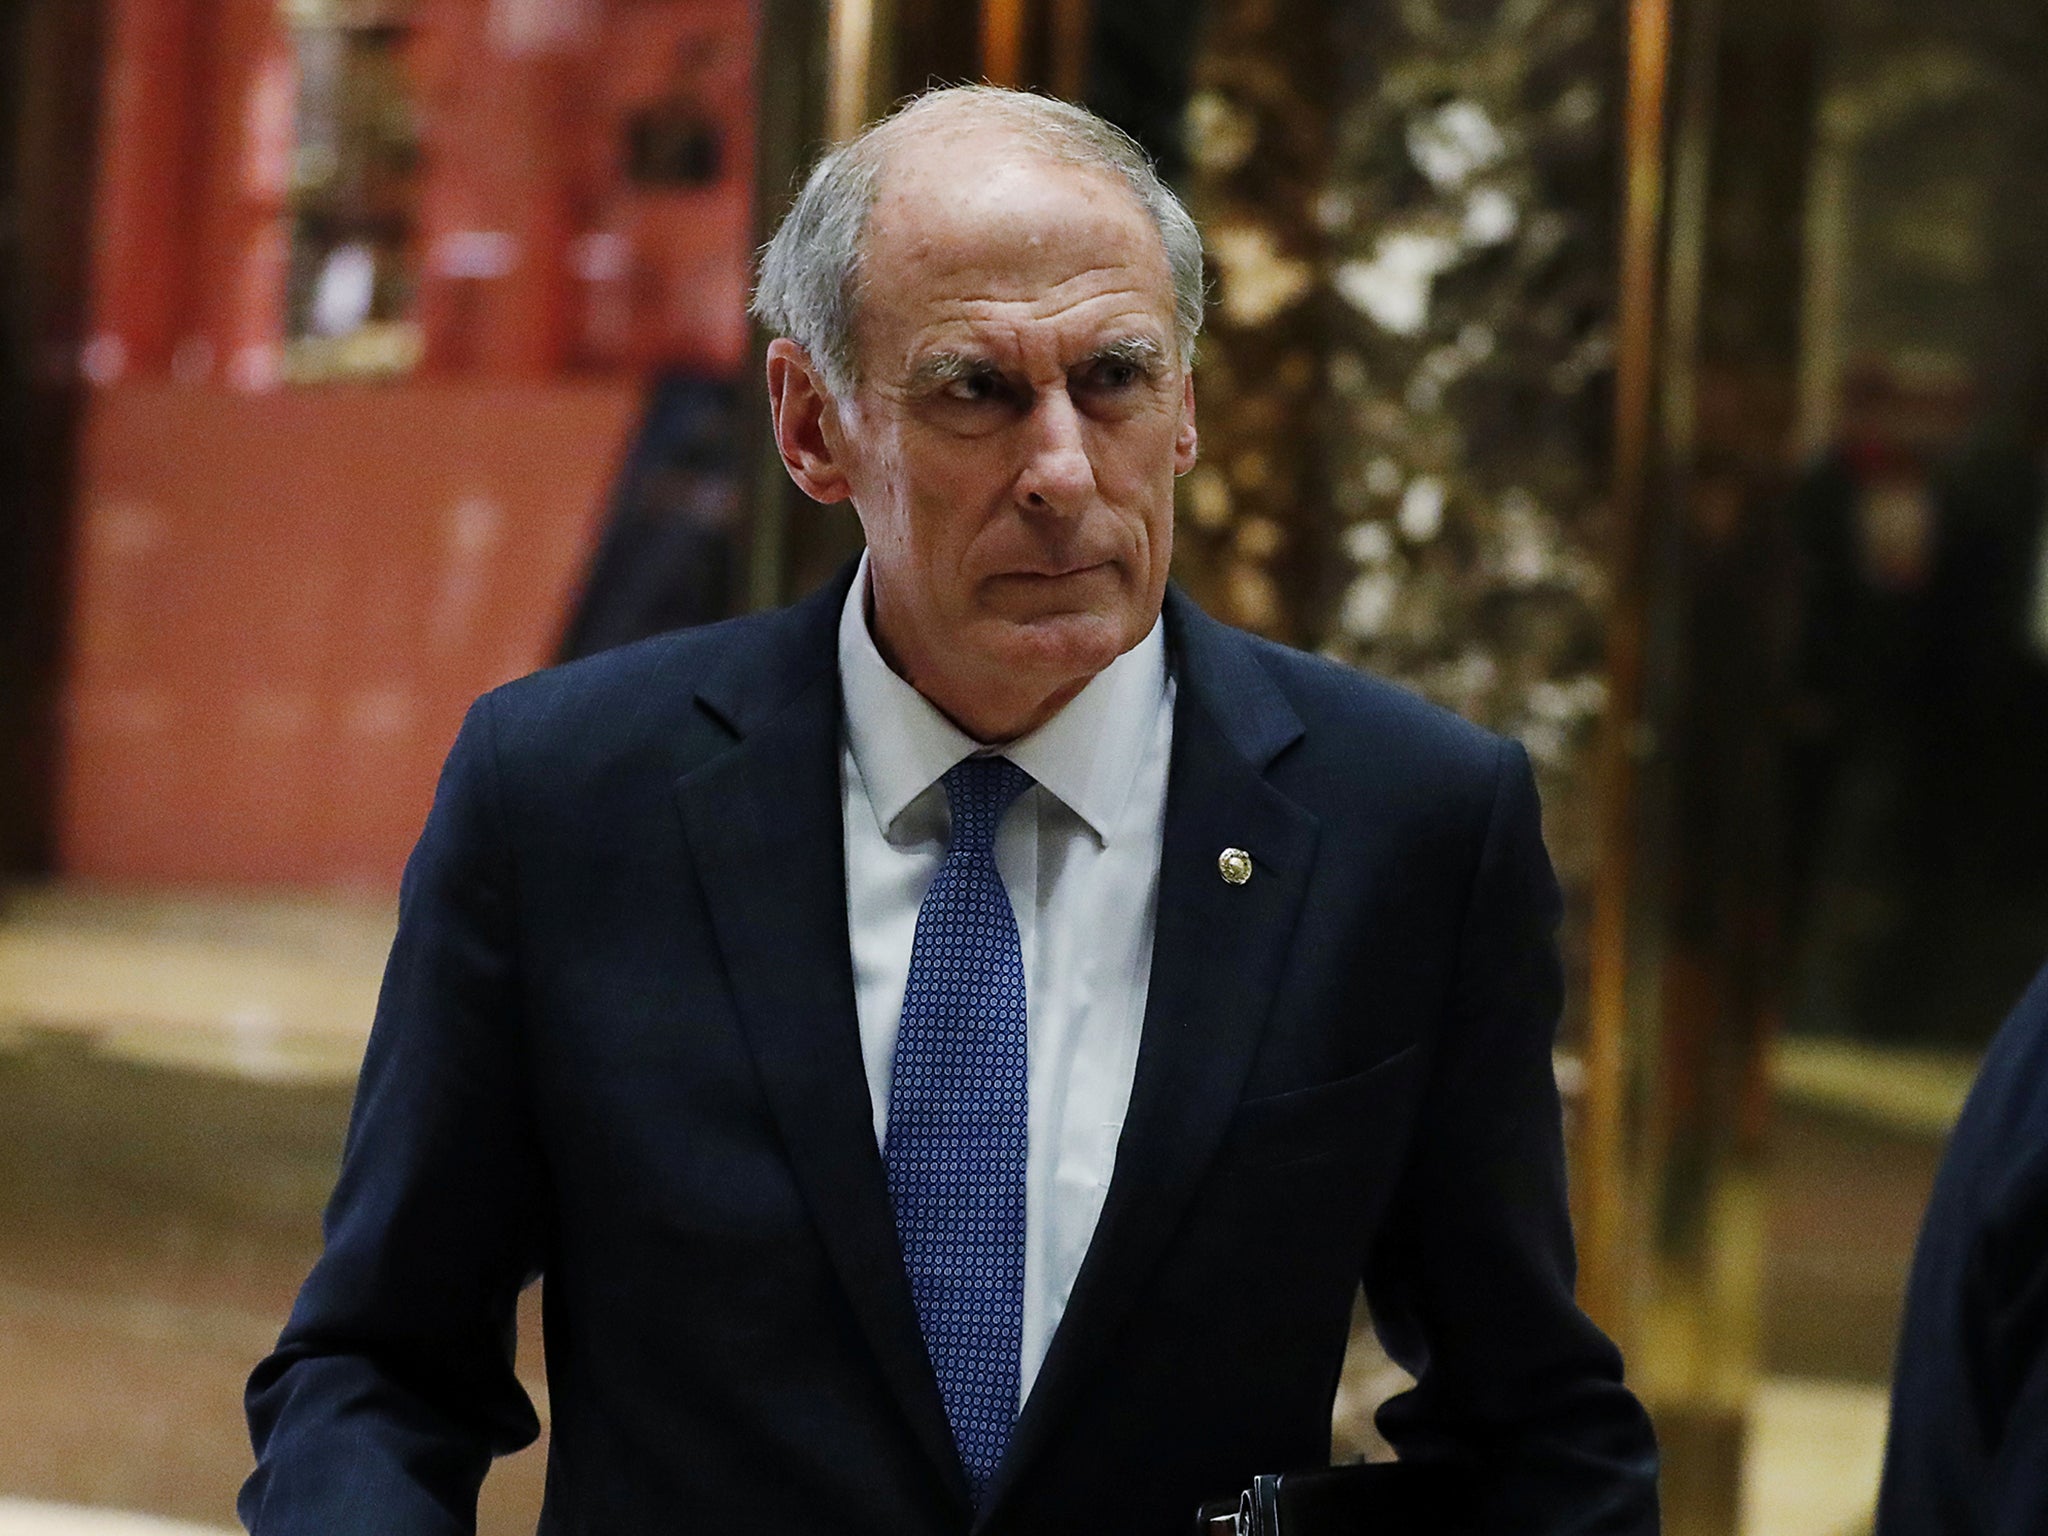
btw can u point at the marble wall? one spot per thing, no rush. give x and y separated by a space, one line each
1405 387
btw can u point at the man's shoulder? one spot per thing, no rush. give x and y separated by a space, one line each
674 661
674 693
1344 710
2001 1136
1339 694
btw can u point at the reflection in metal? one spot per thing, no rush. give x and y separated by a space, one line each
1602 1214
335 145
1406 401
1828 184
1256 537
1140 72
1040 45
1682 1032
1711 849
1404 391
1002 41
1469 223
1073 24
850 93
1898 115
797 68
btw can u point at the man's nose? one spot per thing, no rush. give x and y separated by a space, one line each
1057 474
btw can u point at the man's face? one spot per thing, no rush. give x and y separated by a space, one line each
1020 417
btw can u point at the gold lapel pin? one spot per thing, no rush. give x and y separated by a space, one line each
1235 865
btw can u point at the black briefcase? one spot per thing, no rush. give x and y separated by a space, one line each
1376 1499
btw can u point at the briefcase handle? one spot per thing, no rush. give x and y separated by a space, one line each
1386 1498
1256 1512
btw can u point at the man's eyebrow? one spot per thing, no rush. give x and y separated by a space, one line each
940 368
947 368
1140 352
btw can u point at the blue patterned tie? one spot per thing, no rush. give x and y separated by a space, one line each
956 1136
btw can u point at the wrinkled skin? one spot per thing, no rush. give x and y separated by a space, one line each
1020 416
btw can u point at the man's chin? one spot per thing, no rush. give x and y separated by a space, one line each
1064 646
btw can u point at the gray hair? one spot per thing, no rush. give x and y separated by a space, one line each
811 270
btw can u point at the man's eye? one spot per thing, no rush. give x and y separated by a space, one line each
1118 375
975 387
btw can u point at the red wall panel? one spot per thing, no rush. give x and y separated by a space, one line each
285 601
285 596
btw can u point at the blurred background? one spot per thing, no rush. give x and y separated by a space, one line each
1662 381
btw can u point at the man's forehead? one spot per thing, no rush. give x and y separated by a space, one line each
968 170
1017 194
961 137
981 241
1016 222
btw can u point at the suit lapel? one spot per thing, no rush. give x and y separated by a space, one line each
1217 955
763 819
763 823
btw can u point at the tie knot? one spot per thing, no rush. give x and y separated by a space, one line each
978 791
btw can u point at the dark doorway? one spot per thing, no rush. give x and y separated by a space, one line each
48 77
1856 623
1918 526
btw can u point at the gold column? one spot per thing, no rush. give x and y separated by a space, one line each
1671 1204
858 89
1603 1203
1072 24
1002 41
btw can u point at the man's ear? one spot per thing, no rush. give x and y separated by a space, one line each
798 405
1185 441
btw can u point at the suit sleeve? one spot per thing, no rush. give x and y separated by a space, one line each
1969 1410
392 1385
2012 1383
1470 1282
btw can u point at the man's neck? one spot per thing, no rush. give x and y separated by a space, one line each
992 712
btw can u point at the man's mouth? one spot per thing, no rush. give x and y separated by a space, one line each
1062 572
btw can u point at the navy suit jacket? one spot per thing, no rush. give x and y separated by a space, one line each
617 1045
1968 1448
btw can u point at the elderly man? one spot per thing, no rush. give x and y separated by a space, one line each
955 1046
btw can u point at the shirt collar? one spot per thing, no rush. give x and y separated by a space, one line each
1085 756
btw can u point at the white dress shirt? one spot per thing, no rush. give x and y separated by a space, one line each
1079 855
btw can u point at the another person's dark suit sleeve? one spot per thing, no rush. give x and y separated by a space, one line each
392 1385
1968 1448
1471 1280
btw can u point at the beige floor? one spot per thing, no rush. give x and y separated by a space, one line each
1816 1448
19 1517
174 1073
272 990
